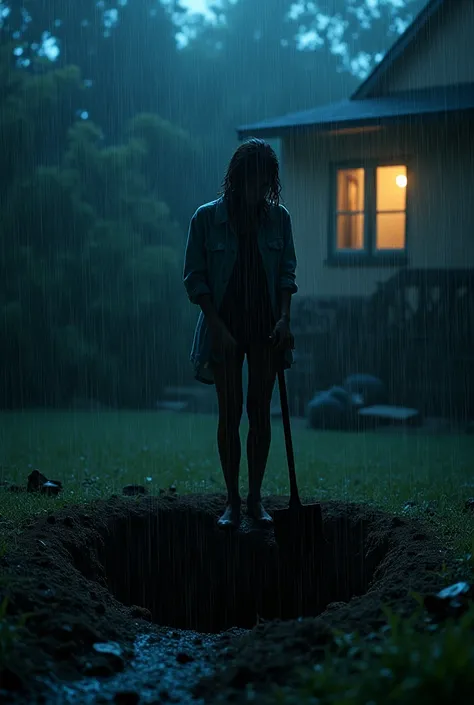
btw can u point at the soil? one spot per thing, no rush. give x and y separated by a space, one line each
151 582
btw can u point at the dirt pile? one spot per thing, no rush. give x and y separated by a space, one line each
101 574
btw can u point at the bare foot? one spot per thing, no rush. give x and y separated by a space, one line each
231 517
257 511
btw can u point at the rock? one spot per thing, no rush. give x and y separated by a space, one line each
395 415
134 490
469 505
453 601
370 389
36 480
108 647
107 660
426 507
125 697
51 489
341 395
330 410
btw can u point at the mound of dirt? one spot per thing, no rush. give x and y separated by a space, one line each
107 572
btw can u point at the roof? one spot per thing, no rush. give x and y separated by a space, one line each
410 105
360 110
408 37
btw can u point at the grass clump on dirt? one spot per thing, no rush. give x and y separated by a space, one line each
400 665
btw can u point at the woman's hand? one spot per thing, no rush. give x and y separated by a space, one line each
222 341
282 337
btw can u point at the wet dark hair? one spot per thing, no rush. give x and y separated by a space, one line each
257 153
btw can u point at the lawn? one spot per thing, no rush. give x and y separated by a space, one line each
96 454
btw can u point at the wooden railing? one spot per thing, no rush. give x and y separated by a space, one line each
416 333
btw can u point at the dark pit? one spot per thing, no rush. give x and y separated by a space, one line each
172 560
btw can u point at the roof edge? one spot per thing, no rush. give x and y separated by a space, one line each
397 49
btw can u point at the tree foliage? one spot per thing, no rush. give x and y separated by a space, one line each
90 256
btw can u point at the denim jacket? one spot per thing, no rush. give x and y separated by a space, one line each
211 252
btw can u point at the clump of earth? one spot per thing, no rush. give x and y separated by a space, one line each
143 599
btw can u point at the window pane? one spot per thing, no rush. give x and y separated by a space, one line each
350 190
391 231
391 188
350 232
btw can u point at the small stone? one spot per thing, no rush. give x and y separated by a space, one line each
469 505
183 658
127 698
452 601
108 647
134 490
109 659
36 480
50 489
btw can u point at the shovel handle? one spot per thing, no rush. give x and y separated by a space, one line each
285 414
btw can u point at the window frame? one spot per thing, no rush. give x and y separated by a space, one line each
369 255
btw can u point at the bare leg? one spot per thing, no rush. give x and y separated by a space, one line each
228 379
262 363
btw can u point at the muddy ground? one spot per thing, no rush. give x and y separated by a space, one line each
145 596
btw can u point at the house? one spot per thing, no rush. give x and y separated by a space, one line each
381 190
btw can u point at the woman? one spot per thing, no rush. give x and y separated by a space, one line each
240 269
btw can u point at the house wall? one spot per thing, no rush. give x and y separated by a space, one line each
443 54
440 200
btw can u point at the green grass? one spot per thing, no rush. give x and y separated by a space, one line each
96 454
402 664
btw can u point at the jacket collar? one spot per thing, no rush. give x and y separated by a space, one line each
222 215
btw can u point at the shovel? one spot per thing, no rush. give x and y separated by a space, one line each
299 527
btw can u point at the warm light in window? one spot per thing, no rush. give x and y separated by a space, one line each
401 181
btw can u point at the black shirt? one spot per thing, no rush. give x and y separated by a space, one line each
246 308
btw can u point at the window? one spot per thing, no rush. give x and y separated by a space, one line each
370 212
